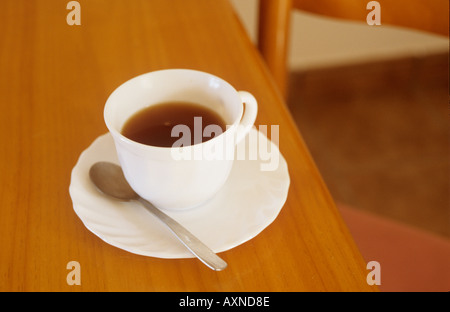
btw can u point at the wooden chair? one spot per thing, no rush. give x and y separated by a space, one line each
274 21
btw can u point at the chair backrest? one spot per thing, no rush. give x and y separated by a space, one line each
274 21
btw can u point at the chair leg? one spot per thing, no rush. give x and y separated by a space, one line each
273 36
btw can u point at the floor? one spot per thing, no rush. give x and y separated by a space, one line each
379 135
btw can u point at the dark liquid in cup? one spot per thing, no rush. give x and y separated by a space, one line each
153 125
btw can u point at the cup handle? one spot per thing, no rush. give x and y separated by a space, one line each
249 115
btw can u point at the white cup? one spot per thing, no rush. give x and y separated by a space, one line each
156 173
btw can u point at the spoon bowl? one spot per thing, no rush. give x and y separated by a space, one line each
110 180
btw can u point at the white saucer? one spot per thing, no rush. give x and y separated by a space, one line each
249 201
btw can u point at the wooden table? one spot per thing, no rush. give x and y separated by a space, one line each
54 81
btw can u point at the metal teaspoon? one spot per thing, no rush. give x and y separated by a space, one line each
109 179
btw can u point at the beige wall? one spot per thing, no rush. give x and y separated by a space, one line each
318 41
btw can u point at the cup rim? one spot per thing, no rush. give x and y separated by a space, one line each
124 139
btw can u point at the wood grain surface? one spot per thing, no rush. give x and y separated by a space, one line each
54 81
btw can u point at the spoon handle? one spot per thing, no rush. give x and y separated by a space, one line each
200 250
